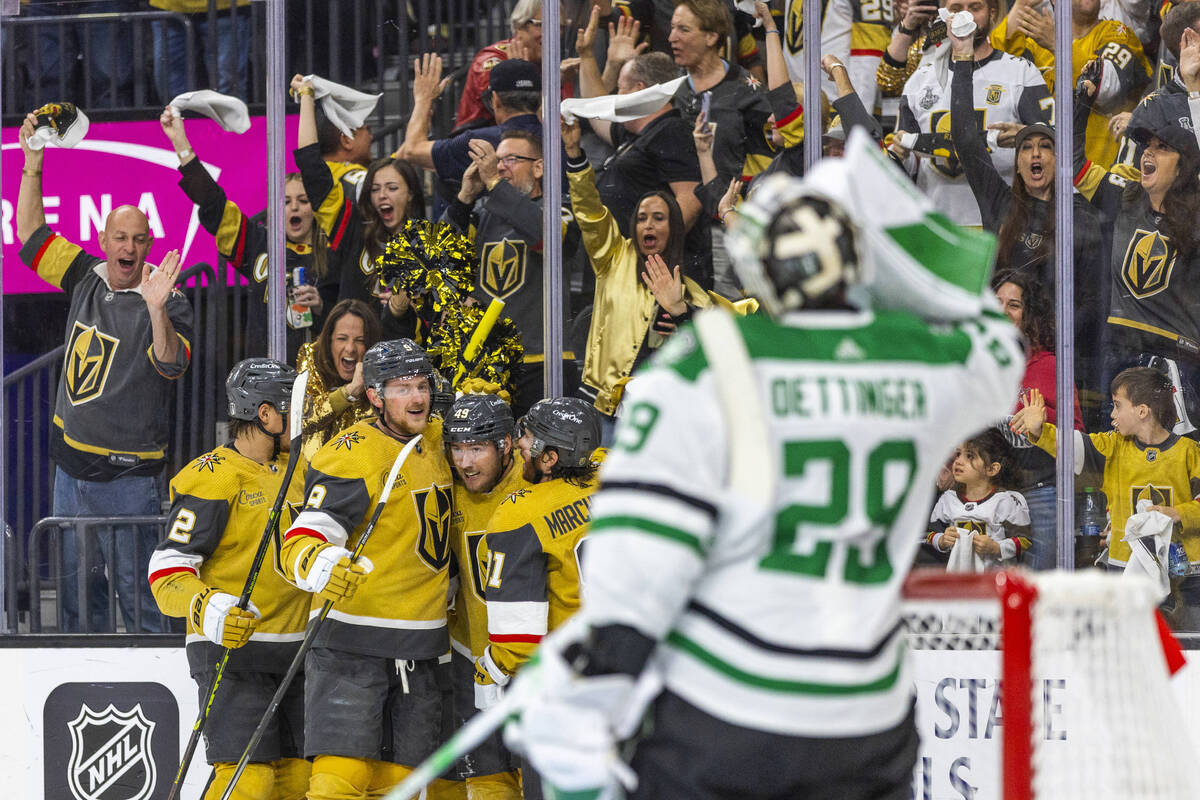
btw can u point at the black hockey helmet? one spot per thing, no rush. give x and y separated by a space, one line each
396 358
255 381
478 418
792 249
568 424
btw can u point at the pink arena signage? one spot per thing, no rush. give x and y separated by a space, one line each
132 163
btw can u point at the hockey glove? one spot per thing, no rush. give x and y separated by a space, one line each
325 569
216 615
490 681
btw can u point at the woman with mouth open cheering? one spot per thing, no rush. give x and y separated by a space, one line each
390 193
242 241
641 295
1154 310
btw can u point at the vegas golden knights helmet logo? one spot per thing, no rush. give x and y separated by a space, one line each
502 268
1157 495
476 563
794 27
1149 261
88 361
433 515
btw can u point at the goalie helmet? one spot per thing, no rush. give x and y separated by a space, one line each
790 248
568 424
396 358
478 418
255 381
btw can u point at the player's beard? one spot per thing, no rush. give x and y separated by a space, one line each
982 35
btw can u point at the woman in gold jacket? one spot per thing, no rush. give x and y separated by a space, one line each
639 298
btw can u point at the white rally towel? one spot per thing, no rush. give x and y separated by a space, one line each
346 108
621 107
913 257
962 556
229 112
1149 536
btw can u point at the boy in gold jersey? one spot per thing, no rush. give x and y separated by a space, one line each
479 434
535 537
220 504
1140 459
373 706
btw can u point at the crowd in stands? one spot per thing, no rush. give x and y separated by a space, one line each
649 187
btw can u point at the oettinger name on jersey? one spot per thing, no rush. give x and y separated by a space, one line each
111 755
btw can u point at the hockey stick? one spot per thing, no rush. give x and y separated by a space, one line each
296 421
311 634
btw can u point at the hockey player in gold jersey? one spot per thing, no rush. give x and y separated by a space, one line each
373 707
535 537
220 504
479 434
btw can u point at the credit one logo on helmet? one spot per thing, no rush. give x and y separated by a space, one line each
110 741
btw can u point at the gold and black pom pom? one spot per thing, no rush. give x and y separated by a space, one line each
431 261
499 359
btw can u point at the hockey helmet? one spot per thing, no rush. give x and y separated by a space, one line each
396 358
568 424
255 381
790 248
478 418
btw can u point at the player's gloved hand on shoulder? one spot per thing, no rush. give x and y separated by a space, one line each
326 569
490 681
216 615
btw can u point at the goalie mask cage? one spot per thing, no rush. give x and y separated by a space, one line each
1125 732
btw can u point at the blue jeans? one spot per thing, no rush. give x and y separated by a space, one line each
233 56
108 50
115 548
1043 518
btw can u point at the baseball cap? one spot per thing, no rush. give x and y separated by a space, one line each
1037 128
515 75
1174 136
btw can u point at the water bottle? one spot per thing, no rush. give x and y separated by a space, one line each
298 316
1092 521
1177 560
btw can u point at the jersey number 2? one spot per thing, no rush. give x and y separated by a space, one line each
831 457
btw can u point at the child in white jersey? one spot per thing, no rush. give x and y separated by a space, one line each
981 502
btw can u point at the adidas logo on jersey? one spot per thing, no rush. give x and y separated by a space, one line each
848 350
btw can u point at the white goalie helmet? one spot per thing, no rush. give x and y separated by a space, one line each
791 248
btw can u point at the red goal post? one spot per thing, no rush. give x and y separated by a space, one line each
1126 737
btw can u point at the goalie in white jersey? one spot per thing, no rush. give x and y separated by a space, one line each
760 508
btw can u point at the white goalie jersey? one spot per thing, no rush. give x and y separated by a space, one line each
764 499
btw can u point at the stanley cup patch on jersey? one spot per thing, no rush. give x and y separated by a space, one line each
502 267
433 515
1149 261
89 359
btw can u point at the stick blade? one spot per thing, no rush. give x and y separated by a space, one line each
296 409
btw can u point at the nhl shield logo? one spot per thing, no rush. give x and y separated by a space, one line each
89 358
502 267
110 755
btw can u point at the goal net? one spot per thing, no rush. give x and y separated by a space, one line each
1118 731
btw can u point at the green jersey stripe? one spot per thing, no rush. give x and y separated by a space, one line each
779 685
891 337
648 526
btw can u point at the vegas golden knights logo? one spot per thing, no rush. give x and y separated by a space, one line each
993 94
89 358
794 27
972 525
478 567
502 268
433 515
1157 495
1149 260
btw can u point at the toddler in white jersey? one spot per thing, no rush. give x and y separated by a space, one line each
981 502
